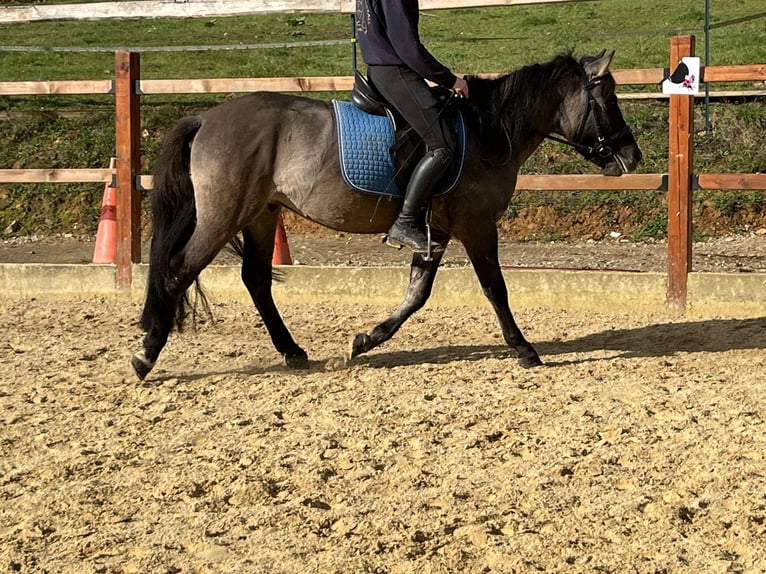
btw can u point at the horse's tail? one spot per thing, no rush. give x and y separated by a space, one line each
174 214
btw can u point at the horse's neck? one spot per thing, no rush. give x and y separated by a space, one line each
543 100
524 107
536 114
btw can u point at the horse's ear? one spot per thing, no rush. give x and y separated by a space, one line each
599 65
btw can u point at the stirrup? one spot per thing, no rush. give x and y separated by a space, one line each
431 246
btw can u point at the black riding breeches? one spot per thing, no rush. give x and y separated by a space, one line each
409 93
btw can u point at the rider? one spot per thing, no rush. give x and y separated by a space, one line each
398 65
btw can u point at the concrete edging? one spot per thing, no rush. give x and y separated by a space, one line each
718 294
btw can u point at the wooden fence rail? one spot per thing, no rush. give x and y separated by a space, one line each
215 8
635 77
128 88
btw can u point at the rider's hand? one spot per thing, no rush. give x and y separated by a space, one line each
461 87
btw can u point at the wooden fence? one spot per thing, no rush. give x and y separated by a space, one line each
215 8
128 87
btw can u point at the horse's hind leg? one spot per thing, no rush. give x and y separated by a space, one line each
258 249
166 300
422 274
157 320
482 250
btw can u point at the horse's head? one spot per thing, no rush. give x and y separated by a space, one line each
591 120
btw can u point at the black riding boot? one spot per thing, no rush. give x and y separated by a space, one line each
408 229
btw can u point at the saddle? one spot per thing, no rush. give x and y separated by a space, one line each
378 149
367 98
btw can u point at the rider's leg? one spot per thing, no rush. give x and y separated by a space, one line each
408 92
408 228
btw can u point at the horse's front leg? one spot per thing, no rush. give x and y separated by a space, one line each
422 274
483 254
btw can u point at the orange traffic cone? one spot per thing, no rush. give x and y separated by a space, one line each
281 255
105 250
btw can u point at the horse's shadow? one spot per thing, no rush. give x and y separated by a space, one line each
162 376
658 340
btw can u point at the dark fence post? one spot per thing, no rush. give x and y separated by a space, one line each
681 148
128 150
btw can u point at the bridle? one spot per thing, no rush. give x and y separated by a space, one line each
603 146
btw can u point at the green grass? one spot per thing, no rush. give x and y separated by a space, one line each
469 40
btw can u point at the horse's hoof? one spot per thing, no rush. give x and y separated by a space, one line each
298 361
530 361
360 344
141 365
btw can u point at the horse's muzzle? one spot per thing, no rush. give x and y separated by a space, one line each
624 161
614 168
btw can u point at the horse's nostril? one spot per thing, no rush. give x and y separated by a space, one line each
612 169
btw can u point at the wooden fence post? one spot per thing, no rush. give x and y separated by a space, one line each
128 151
681 148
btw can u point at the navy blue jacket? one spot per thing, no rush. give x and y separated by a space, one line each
387 32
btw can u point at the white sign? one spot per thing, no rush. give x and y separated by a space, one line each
684 79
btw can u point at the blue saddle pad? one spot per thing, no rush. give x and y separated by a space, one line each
364 143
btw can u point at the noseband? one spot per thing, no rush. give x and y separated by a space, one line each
602 147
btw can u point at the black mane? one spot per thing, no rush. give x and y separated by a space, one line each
503 105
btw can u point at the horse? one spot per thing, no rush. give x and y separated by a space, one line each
231 169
